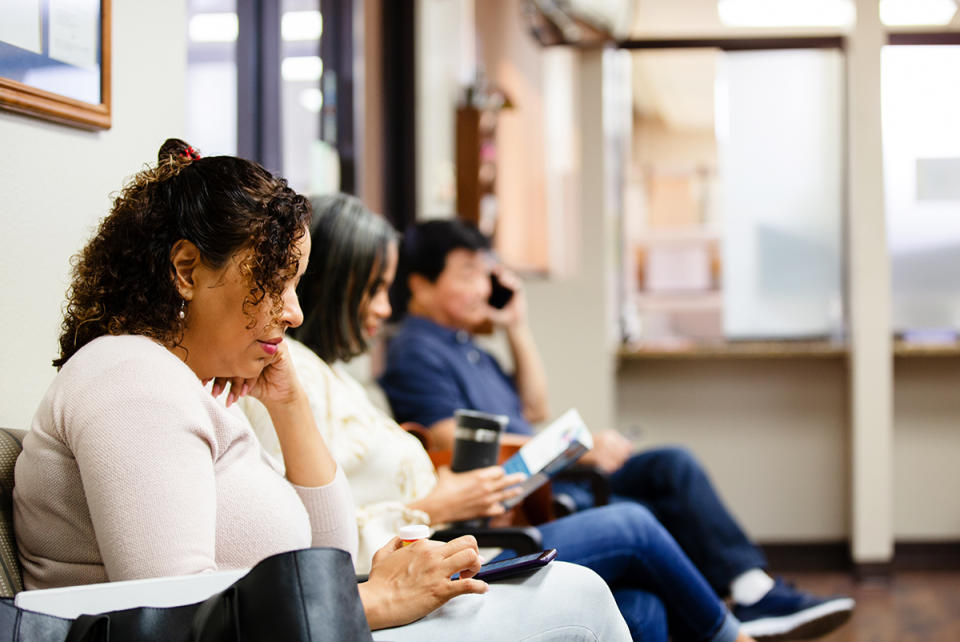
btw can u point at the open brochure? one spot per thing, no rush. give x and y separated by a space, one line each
553 449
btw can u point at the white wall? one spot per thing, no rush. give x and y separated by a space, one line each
56 182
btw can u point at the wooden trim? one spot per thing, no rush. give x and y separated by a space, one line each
927 556
873 571
835 556
925 38
23 99
737 44
735 350
802 557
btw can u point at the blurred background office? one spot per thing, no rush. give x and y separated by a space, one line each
738 220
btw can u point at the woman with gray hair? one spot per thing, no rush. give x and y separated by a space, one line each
345 301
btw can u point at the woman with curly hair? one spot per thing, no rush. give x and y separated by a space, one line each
132 469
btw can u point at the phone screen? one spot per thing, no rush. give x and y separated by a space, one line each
516 565
513 561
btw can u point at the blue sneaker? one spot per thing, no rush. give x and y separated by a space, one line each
786 613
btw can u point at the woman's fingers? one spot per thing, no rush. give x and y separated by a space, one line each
467 585
463 560
385 550
219 385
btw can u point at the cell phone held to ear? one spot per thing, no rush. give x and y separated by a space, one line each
500 294
515 566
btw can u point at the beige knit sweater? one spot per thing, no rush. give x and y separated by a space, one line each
131 470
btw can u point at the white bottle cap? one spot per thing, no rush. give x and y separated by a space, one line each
415 531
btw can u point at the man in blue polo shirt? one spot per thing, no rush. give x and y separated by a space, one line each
434 367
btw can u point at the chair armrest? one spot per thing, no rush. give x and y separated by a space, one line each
522 539
599 481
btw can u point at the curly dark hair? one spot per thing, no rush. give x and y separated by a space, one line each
123 280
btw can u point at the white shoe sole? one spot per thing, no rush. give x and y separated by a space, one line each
809 623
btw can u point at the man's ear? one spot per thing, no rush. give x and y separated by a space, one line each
184 261
420 288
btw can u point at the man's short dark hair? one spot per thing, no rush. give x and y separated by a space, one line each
347 260
424 252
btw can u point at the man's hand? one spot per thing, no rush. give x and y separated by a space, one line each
610 451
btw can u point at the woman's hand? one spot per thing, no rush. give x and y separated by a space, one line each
276 384
409 582
476 493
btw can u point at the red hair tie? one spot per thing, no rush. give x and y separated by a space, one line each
190 153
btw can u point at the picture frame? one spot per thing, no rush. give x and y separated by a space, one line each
55 61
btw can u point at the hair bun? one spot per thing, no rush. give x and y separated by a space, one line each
174 149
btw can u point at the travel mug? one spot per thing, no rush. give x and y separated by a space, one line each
476 439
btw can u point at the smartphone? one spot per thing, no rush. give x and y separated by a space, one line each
500 294
515 565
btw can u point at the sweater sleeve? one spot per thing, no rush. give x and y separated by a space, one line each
145 452
332 514
378 522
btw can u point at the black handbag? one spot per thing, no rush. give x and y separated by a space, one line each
309 594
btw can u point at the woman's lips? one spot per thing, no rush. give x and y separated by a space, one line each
270 347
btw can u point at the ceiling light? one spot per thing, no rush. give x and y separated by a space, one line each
301 25
895 13
301 68
786 13
213 27
311 99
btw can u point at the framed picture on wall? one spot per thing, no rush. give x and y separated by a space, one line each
55 60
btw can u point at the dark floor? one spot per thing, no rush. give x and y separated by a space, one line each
909 607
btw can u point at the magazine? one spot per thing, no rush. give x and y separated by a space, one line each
553 449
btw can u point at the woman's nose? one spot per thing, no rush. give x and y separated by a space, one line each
292 314
381 306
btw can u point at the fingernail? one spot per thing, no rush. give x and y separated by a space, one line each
244 390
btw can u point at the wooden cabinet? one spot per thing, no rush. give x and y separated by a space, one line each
476 157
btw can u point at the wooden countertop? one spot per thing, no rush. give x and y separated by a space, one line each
733 350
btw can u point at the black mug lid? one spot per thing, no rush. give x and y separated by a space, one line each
480 420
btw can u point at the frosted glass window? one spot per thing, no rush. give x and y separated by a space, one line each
780 136
305 158
212 76
921 154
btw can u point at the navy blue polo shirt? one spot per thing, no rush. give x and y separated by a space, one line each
433 370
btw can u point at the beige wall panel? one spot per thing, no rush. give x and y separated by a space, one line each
926 449
772 434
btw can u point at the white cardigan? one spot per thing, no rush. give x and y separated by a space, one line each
387 468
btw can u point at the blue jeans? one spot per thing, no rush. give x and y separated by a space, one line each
676 489
654 584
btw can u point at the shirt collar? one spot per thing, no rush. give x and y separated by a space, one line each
444 332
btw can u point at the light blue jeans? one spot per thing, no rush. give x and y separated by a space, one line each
558 602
